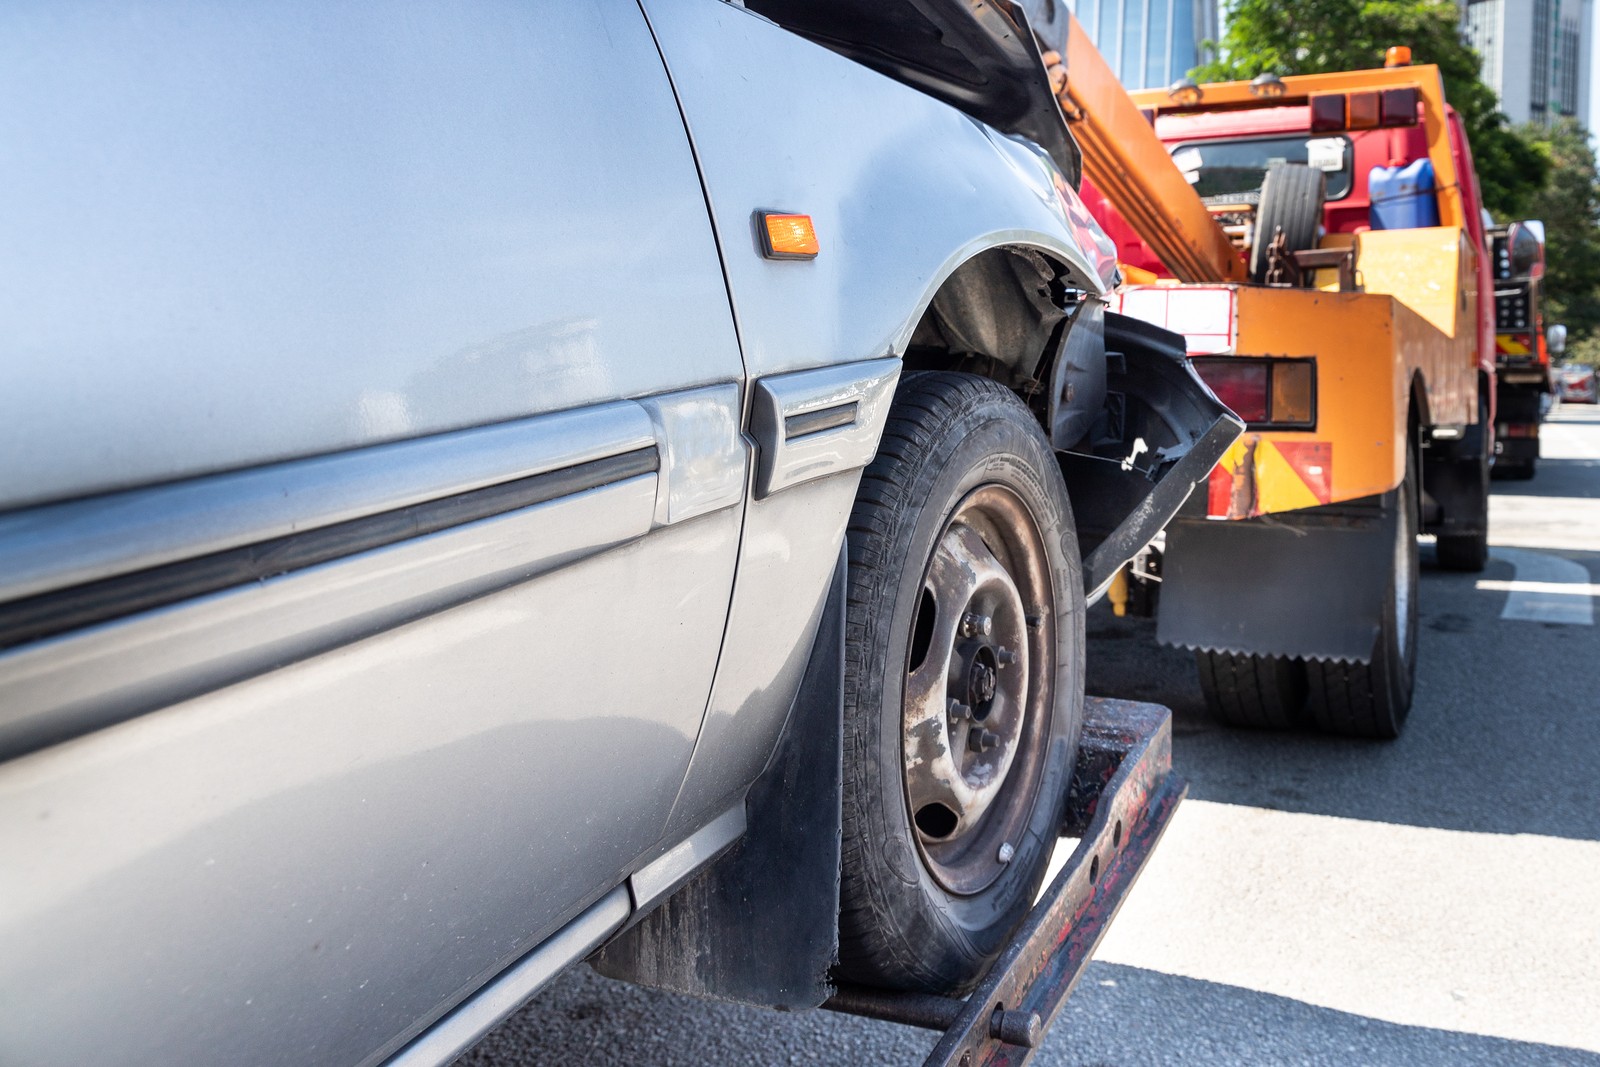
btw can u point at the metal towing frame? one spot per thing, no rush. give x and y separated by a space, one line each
759 925
1122 797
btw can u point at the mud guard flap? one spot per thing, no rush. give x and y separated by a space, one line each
760 924
1159 434
1307 583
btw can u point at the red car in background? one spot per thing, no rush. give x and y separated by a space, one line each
1578 383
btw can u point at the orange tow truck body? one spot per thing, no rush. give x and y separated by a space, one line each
1361 358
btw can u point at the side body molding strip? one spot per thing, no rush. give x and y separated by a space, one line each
487 1008
814 423
136 600
82 541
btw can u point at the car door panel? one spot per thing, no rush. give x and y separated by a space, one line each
237 236
360 838
291 547
373 480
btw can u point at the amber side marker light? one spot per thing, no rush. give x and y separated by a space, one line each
787 236
1398 56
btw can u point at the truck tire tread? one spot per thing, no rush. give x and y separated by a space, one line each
1292 196
1257 692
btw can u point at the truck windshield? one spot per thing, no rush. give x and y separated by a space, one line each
1234 170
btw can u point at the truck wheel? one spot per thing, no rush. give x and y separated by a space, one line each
1516 472
1291 198
1260 692
963 689
1373 699
1464 552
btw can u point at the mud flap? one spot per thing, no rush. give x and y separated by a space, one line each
1159 434
1454 496
760 925
1307 583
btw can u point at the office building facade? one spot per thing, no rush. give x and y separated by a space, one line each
1538 55
1149 43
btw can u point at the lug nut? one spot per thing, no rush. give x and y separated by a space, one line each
975 625
958 710
981 740
1005 655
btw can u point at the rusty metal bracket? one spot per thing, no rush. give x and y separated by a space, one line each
1122 797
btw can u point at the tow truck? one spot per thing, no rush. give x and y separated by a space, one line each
1522 359
1319 242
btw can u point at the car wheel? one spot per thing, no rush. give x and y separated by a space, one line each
1373 699
1259 692
963 684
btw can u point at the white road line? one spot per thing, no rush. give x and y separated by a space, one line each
1562 588
1546 589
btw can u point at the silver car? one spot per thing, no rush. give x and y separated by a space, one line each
427 438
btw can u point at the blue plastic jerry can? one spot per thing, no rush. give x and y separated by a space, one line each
1402 197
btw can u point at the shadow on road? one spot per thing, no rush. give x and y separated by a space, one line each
585 1019
1504 736
582 1018
1556 477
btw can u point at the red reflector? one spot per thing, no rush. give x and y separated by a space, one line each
1313 462
1241 384
1398 107
1365 111
1327 112
1268 392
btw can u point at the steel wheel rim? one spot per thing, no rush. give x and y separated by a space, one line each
979 685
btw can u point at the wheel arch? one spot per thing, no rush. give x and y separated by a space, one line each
996 308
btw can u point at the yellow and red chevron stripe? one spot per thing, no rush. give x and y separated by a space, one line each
1260 476
1510 345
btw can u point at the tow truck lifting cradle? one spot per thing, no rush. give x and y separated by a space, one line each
1122 797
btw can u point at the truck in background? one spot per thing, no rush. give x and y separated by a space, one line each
1319 241
1522 359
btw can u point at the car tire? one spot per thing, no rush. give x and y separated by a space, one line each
1373 699
1292 196
1256 692
961 543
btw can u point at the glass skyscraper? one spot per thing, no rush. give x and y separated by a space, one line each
1537 55
1149 43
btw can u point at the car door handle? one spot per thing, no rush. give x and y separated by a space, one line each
814 423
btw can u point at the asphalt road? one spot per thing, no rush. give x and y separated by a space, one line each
1430 901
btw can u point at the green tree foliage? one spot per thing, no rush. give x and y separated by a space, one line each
1320 36
1584 350
1569 206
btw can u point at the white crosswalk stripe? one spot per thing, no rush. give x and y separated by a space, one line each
1546 588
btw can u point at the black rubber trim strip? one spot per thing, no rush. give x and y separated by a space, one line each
59 611
809 422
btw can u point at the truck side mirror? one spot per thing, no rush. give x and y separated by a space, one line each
1525 241
1555 339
